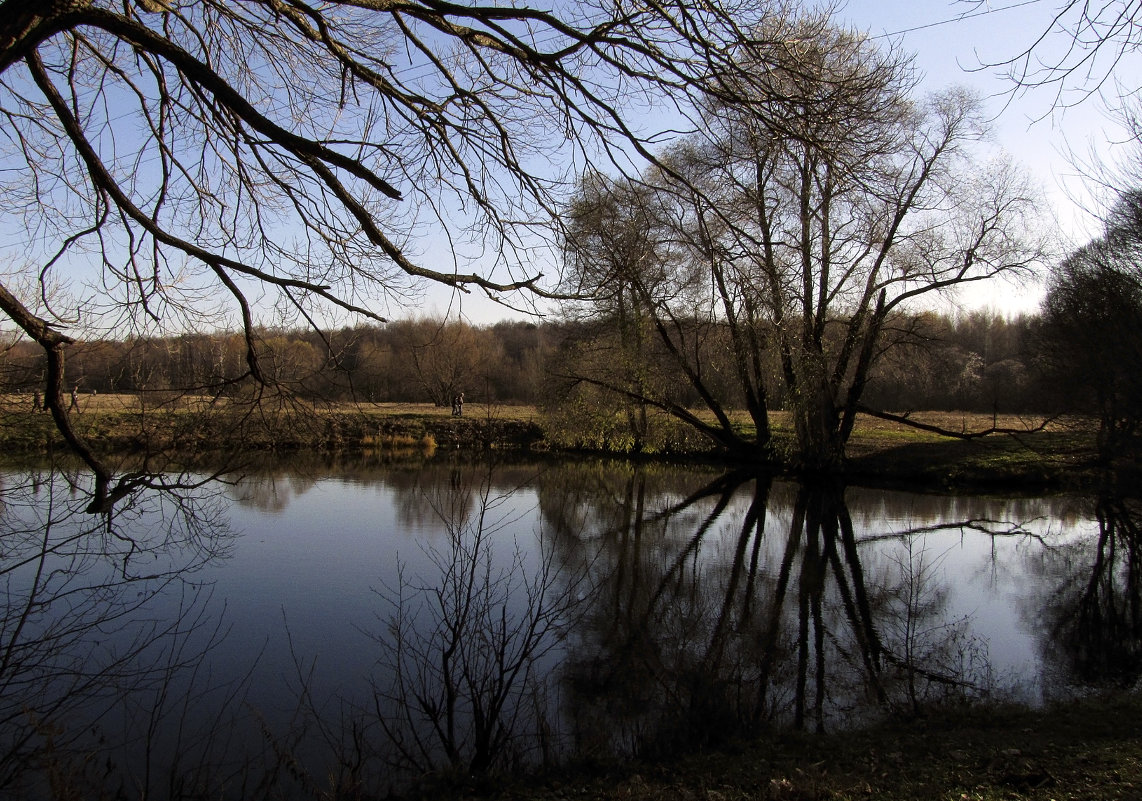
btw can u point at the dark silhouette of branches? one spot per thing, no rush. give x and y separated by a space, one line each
220 165
461 683
1088 338
907 419
84 657
1080 51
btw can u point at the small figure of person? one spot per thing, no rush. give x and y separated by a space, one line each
458 405
37 402
74 399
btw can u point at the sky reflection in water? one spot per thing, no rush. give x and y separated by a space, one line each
684 604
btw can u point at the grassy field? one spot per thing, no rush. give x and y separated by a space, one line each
196 425
170 402
1060 454
133 404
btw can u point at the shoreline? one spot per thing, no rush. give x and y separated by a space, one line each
1061 458
1088 748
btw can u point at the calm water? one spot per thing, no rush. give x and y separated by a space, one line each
293 630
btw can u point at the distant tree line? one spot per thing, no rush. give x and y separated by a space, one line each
422 361
977 361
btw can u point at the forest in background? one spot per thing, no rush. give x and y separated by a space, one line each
978 361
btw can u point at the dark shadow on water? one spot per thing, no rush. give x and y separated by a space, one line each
745 604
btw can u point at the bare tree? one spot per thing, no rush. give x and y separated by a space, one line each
1079 52
613 251
822 198
448 358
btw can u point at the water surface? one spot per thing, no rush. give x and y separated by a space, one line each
349 626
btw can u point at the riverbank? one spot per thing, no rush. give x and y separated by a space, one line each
1087 749
123 424
1058 456
1061 455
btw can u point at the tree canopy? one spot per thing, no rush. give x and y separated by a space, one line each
1092 344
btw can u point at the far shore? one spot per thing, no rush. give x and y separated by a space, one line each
1059 455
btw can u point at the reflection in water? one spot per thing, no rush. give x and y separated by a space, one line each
463 674
476 617
742 603
1092 610
102 629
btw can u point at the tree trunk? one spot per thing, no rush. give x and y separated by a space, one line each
820 446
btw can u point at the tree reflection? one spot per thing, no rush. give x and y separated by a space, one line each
463 668
643 610
743 602
102 631
1093 609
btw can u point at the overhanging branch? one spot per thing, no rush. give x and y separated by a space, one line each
905 419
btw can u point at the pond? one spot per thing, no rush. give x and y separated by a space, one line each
290 630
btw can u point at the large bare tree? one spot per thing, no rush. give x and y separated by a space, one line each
821 198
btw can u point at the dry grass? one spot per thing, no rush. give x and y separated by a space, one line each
879 450
132 402
866 426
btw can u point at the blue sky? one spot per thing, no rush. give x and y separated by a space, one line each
951 40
